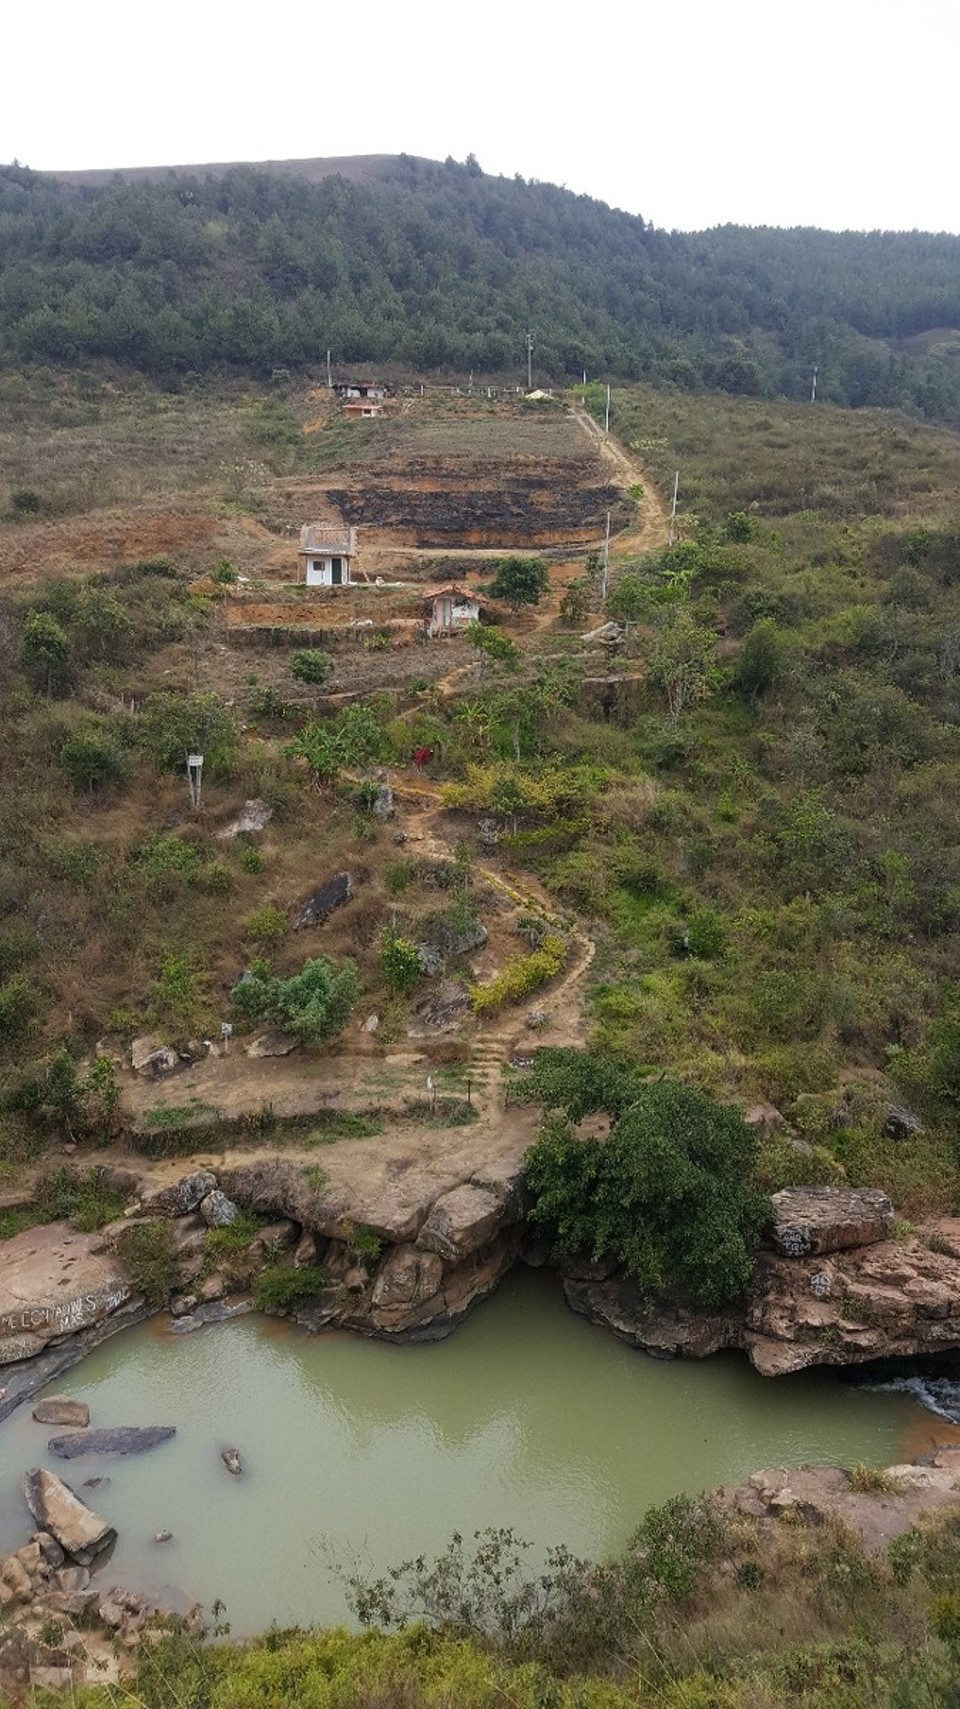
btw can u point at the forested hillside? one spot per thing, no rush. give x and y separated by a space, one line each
433 266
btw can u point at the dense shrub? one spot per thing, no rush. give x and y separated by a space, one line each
521 975
279 1288
669 1194
313 1004
308 664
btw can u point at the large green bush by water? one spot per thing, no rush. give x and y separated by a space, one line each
669 1193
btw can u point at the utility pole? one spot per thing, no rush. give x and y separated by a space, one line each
606 562
529 361
329 374
584 376
813 383
673 507
606 427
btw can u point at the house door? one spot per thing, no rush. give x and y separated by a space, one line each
336 571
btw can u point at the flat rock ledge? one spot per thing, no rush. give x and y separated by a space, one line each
808 1220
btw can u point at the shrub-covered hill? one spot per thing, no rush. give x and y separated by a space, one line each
751 807
430 266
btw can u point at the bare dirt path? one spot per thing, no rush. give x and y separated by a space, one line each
651 530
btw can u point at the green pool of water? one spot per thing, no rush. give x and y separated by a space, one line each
361 1452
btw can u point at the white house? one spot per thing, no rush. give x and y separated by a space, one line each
326 554
349 389
450 608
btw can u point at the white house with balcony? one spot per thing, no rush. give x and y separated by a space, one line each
327 554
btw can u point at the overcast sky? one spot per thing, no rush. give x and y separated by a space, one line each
838 113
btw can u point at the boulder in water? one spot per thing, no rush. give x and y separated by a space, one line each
60 1409
126 1439
232 1461
81 1533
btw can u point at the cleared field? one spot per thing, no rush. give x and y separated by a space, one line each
503 435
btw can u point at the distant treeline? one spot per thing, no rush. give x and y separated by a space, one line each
439 266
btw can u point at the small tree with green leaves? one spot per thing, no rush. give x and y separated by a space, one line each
173 726
520 581
46 653
399 961
92 758
309 665
681 659
493 646
761 661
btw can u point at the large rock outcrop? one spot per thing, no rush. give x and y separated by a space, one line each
81 1533
851 1296
54 1283
448 1228
888 1299
829 1219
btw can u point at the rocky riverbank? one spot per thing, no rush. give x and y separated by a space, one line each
834 1285
406 1254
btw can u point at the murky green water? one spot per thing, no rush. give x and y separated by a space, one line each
355 1449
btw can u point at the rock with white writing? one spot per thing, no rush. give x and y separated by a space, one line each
808 1220
55 1282
14 1349
81 1533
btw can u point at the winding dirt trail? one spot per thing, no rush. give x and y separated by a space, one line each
499 1036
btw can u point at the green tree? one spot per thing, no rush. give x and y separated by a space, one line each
313 1005
761 661
493 645
173 726
308 664
680 659
100 623
399 961
92 757
520 581
669 1193
575 602
317 745
46 653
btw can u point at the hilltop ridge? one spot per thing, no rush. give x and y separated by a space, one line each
441 268
358 168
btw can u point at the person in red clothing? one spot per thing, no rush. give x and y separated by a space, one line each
422 757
